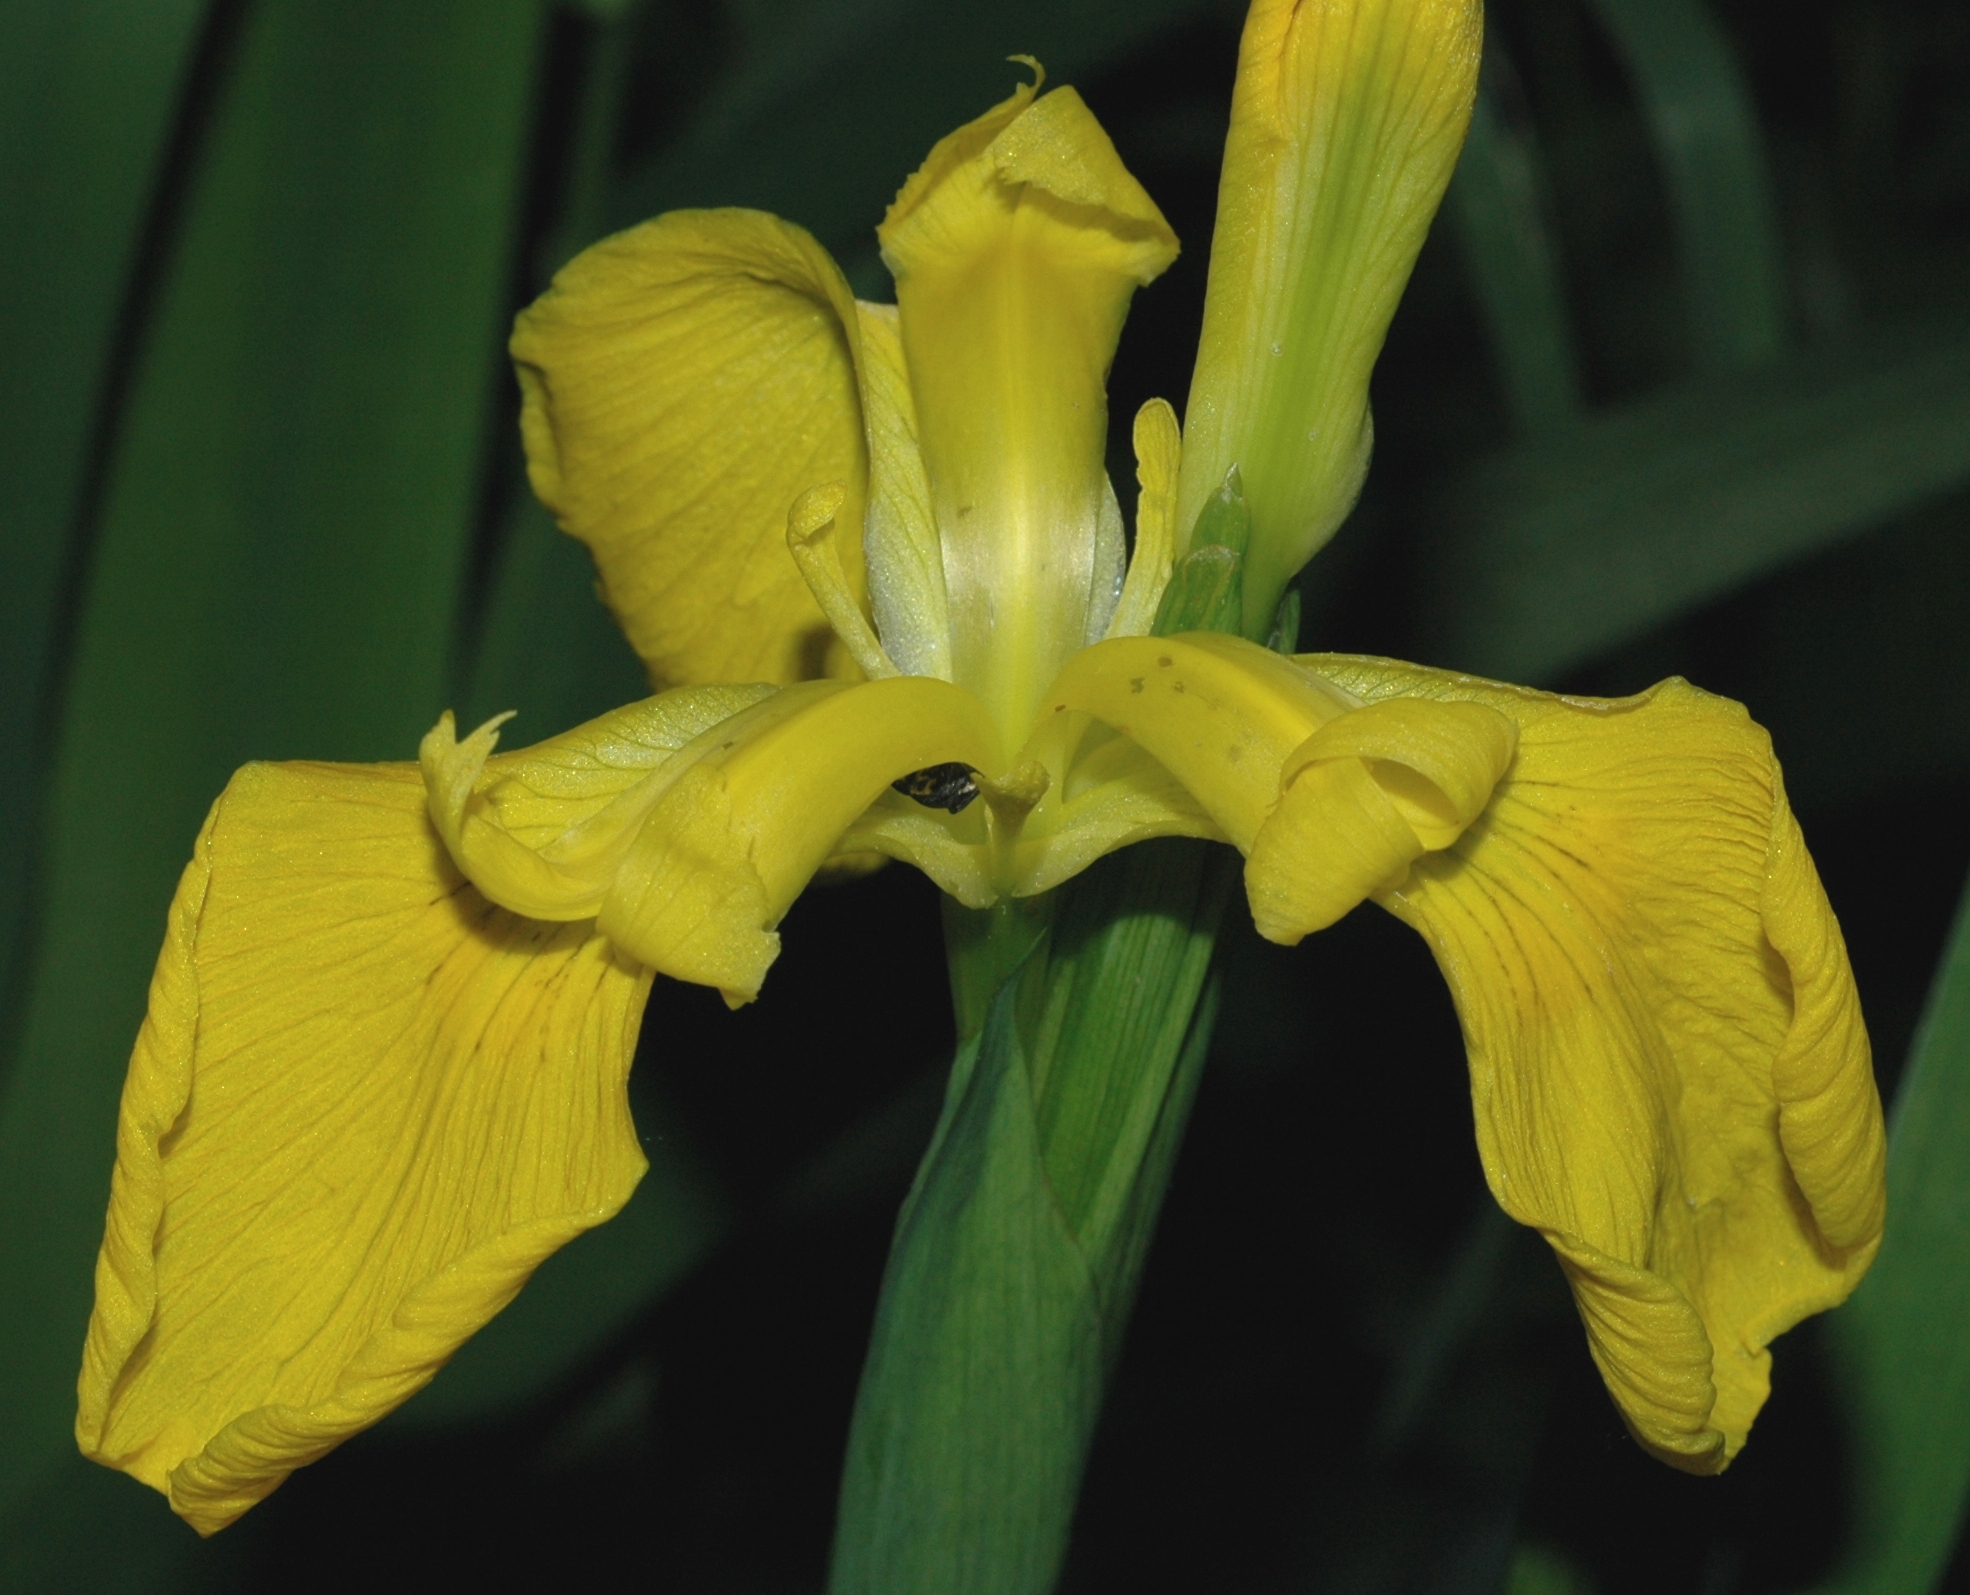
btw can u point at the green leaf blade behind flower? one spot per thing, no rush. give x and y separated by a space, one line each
1564 547
1017 1255
1497 204
87 99
1712 154
278 563
1899 1345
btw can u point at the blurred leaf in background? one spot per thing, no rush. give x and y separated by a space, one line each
273 569
1678 388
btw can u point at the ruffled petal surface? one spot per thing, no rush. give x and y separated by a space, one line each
364 1106
1668 1066
683 383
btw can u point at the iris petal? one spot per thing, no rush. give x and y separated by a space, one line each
1220 713
364 1106
730 846
1016 248
1668 1066
544 830
684 382
687 833
1365 796
905 554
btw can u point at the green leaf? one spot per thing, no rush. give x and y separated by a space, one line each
1540 1570
957 1480
1707 138
278 563
1498 204
1562 548
87 97
1899 1346
547 646
1018 1251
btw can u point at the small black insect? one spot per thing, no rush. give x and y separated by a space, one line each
940 786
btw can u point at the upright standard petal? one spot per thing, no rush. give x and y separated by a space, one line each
1016 249
1669 1071
684 382
364 1106
1345 126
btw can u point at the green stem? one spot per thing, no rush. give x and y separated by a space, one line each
1084 1022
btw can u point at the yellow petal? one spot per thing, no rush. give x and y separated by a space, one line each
1016 249
364 1106
1668 1066
1220 713
1115 795
684 382
688 849
732 844
954 850
1346 121
1363 798
544 830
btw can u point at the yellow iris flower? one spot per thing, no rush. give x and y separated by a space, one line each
383 1071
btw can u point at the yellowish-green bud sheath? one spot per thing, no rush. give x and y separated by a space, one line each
1345 127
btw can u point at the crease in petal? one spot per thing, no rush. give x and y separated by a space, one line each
1219 713
1669 1072
1828 1112
1346 122
364 1105
1362 799
1016 249
682 384
1652 1351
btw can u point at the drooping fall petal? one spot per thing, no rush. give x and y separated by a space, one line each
365 1105
1345 126
1016 248
1668 1066
684 382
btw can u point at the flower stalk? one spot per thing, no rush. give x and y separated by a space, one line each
1084 1017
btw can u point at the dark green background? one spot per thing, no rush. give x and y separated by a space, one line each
1682 385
